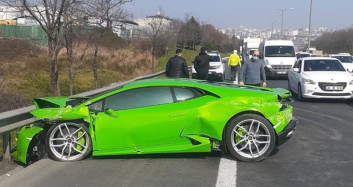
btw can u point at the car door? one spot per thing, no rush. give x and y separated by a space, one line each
138 118
291 75
295 78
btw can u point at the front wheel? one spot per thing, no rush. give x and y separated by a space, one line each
250 138
300 93
68 142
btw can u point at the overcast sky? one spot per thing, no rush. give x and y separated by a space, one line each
336 14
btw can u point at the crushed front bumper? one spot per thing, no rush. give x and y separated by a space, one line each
287 131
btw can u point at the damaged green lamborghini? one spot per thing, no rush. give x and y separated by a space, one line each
160 116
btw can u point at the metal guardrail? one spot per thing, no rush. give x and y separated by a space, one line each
13 119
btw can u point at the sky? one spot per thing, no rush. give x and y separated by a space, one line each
333 14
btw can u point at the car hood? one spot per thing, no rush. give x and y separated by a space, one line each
348 66
50 102
328 76
283 93
215 63
52 108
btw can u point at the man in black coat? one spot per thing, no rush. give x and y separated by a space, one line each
202 64
176 66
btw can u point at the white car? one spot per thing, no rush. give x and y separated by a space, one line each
346 59
320 77
216 71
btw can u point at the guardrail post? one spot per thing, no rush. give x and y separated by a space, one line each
6 143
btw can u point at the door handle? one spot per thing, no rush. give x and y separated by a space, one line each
177 114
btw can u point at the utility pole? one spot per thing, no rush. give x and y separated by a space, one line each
282 11
309 34
272 23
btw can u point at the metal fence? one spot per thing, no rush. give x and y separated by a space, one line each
33 32
20 117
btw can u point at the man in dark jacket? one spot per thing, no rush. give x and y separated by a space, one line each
176 66
202 64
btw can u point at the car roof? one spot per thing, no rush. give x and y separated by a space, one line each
184 82
318 58
340 55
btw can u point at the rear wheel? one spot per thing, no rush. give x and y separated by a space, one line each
250 138
68 142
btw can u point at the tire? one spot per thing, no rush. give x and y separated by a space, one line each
300 93
221 79
289 86
68 142
250 138
36 149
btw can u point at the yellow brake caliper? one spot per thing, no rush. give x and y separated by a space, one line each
237 137
81 141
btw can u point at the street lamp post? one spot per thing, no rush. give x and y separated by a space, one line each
309 34
272 23
282 11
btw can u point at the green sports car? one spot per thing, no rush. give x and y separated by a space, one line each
160 116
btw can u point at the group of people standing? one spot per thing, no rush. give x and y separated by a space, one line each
251 72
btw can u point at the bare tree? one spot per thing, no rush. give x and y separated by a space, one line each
156 32
69 35
104 15
49 15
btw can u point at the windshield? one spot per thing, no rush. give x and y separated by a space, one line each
323 65
344 59
279 51
215 58
302 55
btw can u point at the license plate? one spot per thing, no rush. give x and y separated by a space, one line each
334 87
281 72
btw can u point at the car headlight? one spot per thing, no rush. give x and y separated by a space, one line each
308 81
351 83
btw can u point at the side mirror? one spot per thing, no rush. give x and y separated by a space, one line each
110 113
296 69
261 56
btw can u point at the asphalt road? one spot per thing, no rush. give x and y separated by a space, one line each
319 154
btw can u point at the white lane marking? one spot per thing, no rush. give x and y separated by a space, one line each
227 173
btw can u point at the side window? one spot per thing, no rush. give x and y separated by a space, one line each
300 66
182 93
96 107
140 97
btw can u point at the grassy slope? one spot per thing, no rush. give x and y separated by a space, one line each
189 56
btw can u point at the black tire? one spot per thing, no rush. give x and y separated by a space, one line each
289 86
300 93
221 79
244 121
36 149
79 143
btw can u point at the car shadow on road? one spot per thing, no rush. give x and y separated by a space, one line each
163 156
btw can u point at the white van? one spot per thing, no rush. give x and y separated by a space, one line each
278 57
